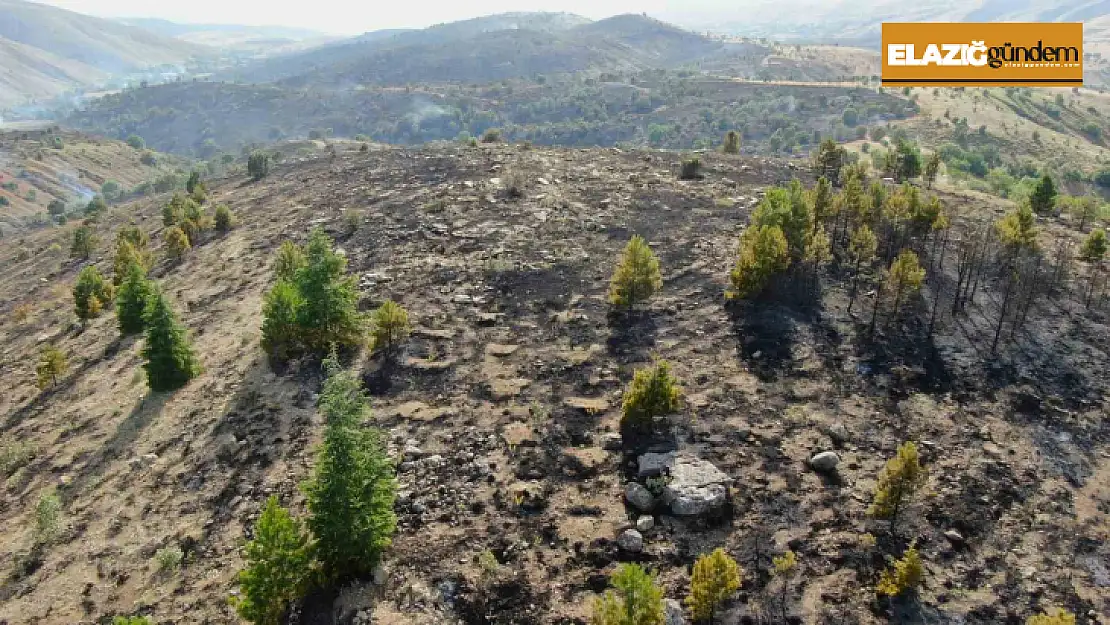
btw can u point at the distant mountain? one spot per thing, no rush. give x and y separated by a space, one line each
181 30
45 50
860 21
489 48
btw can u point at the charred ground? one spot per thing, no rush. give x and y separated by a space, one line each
511 380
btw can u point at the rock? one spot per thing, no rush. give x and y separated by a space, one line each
825 462
588 405
954 537
639 496
612 441
838 434
696 487
226 446
631 541
412 452
645 523
652 464
673 611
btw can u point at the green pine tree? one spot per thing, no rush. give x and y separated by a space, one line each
637 275
168 357
329 313
132 299
279 320
351 492
279 562
638 600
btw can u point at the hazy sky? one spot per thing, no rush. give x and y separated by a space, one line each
357 16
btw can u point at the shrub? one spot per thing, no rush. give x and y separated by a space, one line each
169 558
148 158
654 392
764 253
900 480
96 206
1057 617
637 600
14 454
903 576
258 165
91 293
492 135
1094 247
85 242
716 577
176 242
390 327
4 201
352 219
21 313
1018 229
168 358
132 620
48 519
290 258
131 303
135 141
515 184
636 277
52 363
691 169
850 117
110 189
278 564
280 332
57 143
351 492
223 220
1043 198
732 143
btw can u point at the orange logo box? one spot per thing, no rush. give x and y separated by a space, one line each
983 55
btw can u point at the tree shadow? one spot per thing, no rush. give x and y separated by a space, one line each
631 334
122 440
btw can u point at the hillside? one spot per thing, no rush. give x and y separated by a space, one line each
358 49
503 409
661 109
46 50
490 48
35 169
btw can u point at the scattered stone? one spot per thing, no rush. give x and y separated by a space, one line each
645 523
612 441
499 350
639 497
825 462
838 434
226 446
696 487
631 541
673 612
378 575
652 464
588 405
954 537
412 452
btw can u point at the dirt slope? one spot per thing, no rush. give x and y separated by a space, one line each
511 380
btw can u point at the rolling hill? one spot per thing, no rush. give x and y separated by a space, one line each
41 163
45 50
489 48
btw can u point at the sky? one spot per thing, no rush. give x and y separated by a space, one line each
349 17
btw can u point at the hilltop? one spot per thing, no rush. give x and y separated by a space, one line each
45 50
503 410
